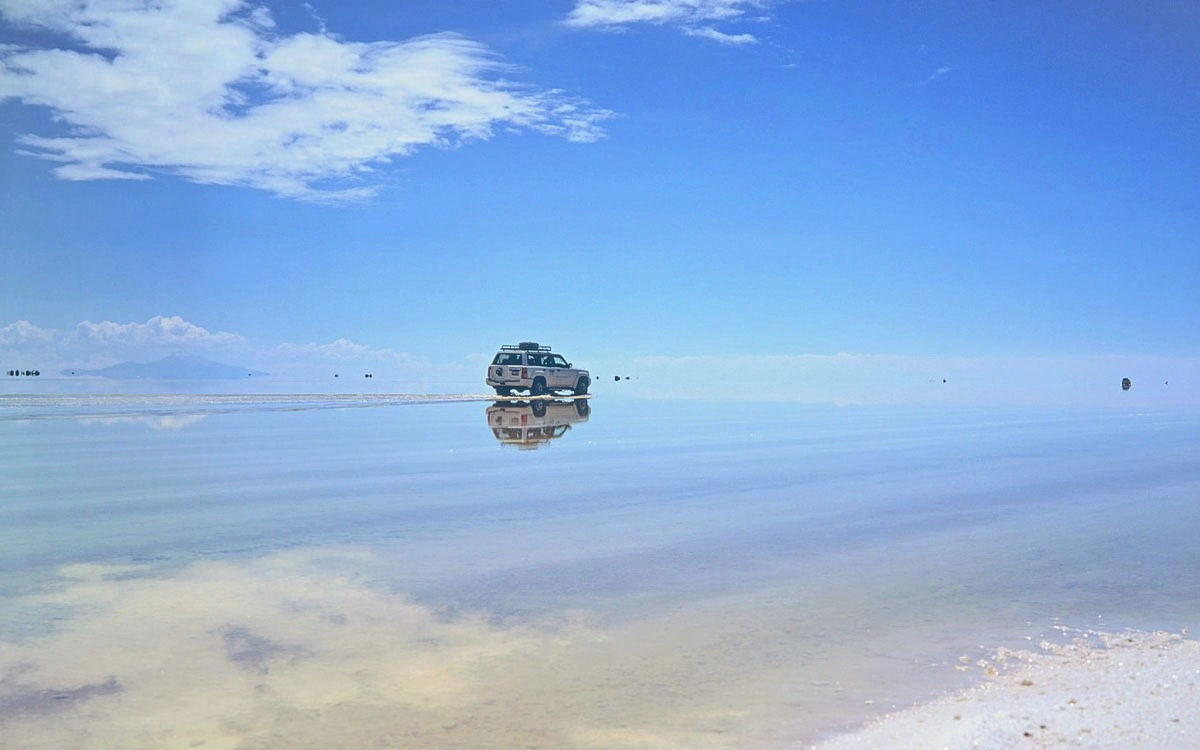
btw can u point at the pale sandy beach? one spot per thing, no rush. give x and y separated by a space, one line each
1132 690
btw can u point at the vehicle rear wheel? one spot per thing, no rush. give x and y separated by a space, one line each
582 386
538 408
538 388
503 391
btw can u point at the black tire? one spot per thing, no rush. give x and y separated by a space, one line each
538 408
582 408
503 391
582 386
538 388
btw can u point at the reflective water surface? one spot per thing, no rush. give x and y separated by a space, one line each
294 572
527 425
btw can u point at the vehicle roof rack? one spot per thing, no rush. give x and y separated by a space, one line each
525 346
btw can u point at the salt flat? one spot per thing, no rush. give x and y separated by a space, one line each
293 571
1101 690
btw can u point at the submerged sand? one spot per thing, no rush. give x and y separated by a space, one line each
1100 690
301 650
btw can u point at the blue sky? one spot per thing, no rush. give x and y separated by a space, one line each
418 182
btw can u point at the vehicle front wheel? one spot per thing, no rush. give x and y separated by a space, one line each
538 388
582 386
503 391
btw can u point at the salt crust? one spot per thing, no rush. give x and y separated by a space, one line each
1101 690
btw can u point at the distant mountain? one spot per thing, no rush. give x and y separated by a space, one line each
174 367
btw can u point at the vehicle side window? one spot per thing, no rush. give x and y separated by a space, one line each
557 361
536 360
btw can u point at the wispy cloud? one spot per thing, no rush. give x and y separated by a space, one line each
936 74
707 32
209 90
344 352
693 17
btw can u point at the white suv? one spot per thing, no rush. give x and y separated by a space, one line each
528 366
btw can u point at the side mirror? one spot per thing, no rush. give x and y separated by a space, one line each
570 365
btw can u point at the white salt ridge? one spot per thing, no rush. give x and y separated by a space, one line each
1099 691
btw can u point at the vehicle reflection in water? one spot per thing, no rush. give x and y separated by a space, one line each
529 424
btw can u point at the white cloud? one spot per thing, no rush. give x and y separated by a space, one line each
338 349
936 74
99 344
171 331
693 17
707 32
23 331
208 90
344 350
24 339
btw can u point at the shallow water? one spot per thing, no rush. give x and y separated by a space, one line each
292 572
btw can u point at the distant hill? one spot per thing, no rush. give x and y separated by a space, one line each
174 367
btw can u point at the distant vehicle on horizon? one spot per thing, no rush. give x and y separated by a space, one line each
529 366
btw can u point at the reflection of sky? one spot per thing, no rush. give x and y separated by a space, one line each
671 573
147 408
161 422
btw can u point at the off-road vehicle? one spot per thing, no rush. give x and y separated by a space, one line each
528 366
